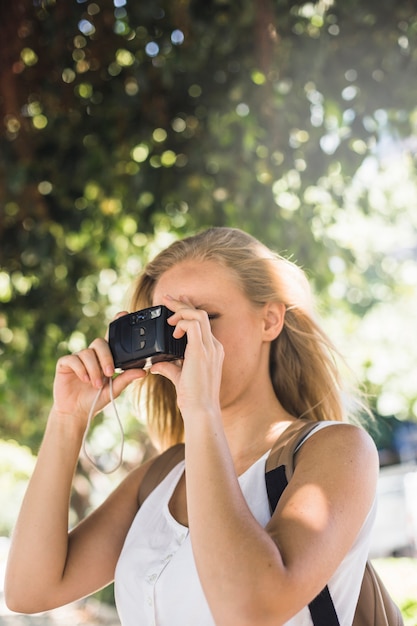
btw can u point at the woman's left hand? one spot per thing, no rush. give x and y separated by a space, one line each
197 378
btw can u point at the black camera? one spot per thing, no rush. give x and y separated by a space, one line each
139 339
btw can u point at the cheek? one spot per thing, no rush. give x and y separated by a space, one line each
229 346
228 341
237 353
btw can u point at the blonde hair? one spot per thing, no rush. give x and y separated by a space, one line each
303 367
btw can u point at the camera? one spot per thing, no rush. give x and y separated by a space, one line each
139 339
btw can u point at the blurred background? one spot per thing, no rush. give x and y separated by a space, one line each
125 125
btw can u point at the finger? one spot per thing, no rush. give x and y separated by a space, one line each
116 317
184 309
103 354
169 369
90 359
190 327
196 325
71 363
187 301
121 381
175 304
86 363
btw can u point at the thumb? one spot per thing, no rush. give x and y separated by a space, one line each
169 369
123 380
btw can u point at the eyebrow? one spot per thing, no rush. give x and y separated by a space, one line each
204 307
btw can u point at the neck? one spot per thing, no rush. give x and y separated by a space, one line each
251 429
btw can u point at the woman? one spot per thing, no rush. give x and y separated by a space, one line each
203 548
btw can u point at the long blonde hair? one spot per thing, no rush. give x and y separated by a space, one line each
303 367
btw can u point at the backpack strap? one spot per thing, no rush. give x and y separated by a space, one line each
283 450
159 469
280 462
278 471
375 605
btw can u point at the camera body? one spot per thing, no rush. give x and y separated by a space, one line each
139 339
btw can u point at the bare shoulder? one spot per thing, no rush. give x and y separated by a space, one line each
334 483
340 438
342 451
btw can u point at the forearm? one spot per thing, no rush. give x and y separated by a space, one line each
239 565
39 545
265 576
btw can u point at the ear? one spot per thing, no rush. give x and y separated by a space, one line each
274 315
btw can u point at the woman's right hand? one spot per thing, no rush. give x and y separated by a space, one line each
79 376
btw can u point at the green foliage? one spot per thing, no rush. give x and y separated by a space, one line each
409 612
399 576
16 466
128 124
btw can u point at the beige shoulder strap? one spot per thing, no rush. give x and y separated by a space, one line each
159 469
283 450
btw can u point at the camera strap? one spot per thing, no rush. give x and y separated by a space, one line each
93 460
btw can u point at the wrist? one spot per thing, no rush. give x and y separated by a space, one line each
68 424
203 423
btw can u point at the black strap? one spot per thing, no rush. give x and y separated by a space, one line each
321 608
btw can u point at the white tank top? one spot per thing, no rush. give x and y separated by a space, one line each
156 581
